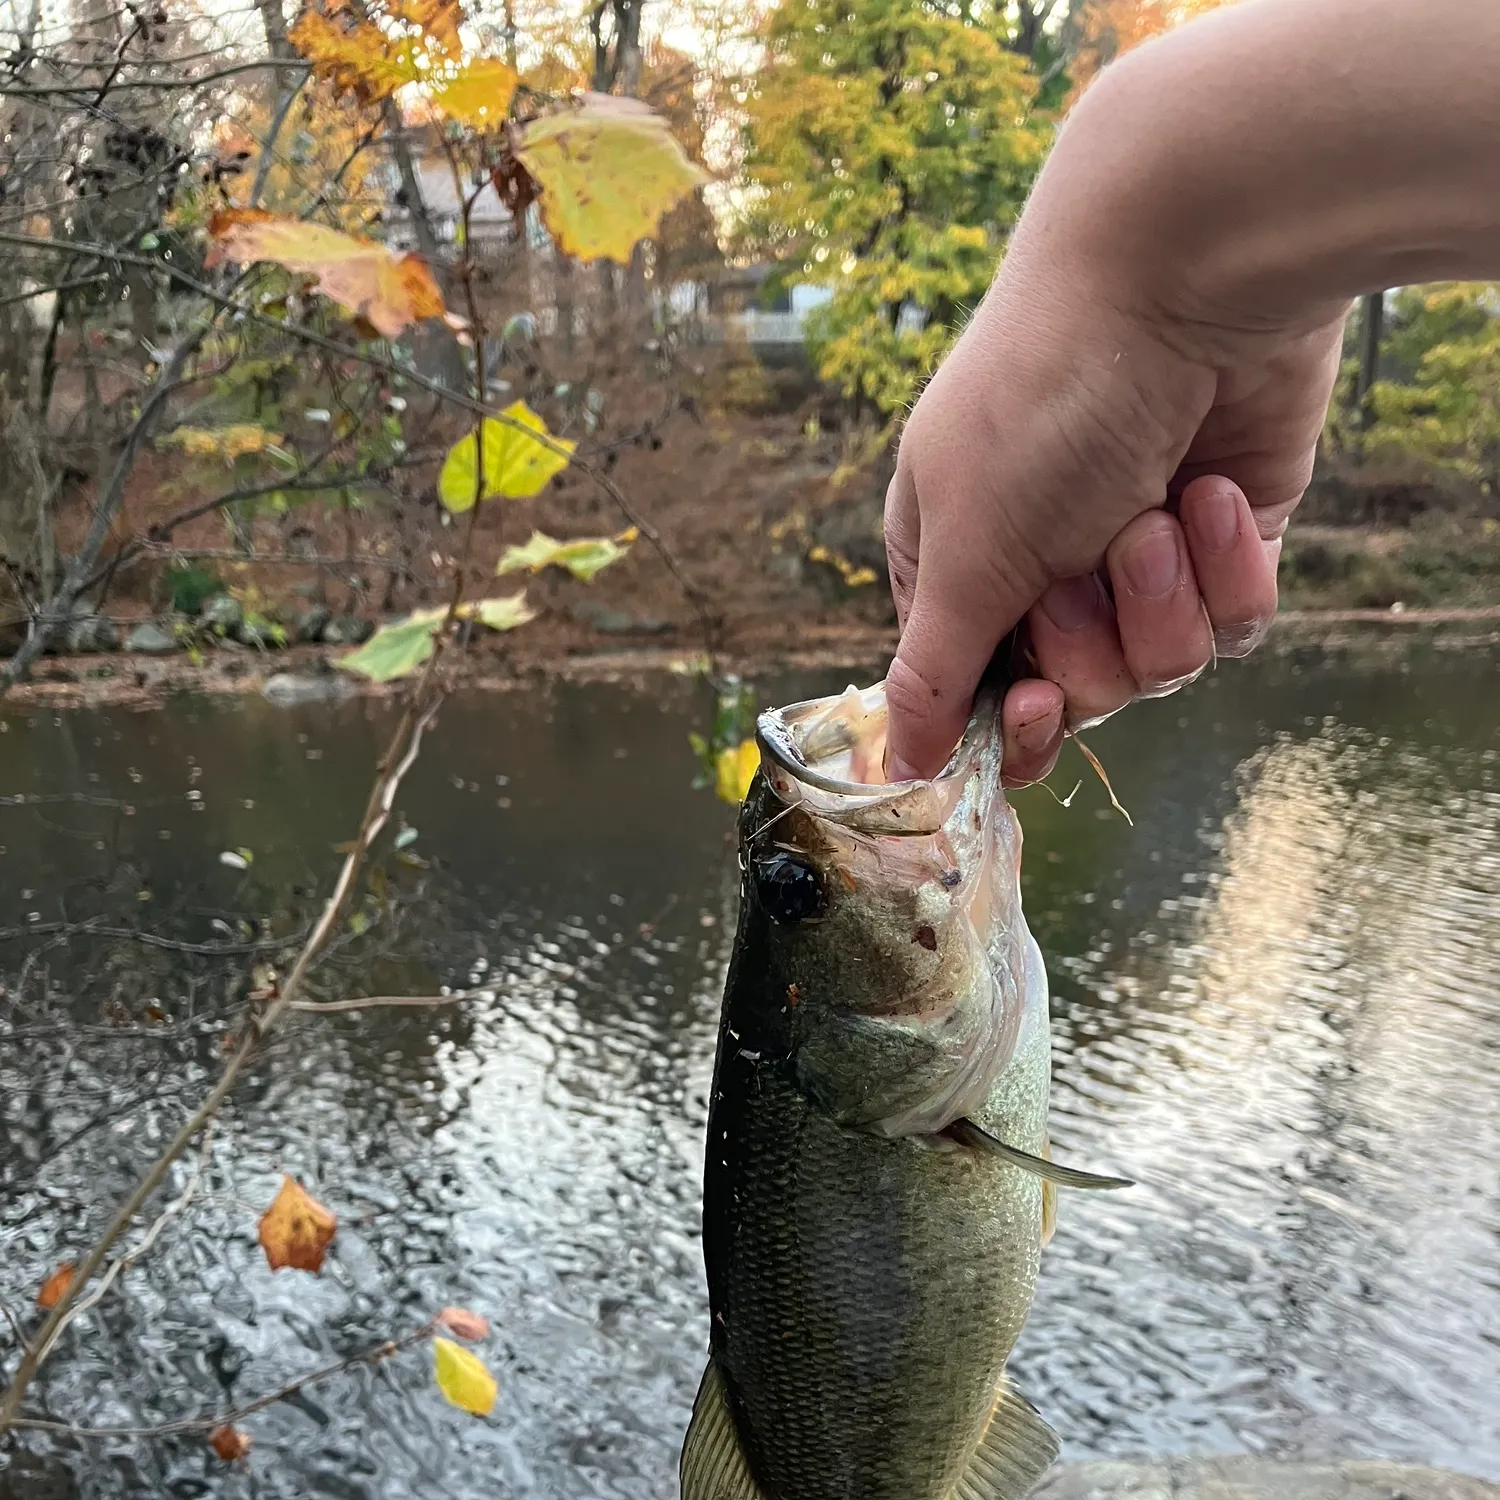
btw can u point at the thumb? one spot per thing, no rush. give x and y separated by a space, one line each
958 616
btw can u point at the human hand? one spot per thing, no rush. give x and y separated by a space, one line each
1095 473
1113 448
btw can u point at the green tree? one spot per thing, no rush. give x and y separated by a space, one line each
1443 403
890 144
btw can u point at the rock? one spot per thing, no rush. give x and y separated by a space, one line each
222 614
149 639
262 635
312 622
1245 1478
90 632
347 630
608 621
289 688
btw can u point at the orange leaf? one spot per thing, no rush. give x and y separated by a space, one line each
296 1229
230 1443
54 1287
437 20
374 54
463 1324
390 291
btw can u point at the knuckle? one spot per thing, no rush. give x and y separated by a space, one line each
910 696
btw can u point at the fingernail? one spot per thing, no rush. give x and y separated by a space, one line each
1215 520
1240 638
1073 604
1153 564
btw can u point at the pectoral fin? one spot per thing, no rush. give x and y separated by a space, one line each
1017 1448
1049 1199
713 1464
967 1133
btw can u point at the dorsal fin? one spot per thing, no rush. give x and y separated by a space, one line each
713 1463
1017 1448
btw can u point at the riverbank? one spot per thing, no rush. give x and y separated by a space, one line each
506 663
1240 1477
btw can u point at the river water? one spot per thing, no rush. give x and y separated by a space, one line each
1276 1005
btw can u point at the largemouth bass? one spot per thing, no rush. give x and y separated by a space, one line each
877 1191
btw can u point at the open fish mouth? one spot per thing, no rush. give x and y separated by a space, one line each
828 754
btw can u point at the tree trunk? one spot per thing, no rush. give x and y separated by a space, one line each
1371 331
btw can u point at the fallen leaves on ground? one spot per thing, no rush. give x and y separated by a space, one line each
462 1378
56 1285
609 170
230 1442
390 292
296 1229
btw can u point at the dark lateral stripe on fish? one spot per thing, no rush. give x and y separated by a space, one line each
967 1133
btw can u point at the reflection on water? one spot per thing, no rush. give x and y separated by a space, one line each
1277 1005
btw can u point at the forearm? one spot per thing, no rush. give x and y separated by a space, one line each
1272 161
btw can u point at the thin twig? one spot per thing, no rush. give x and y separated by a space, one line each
146 1241
148 939
398 759
41 91
372 1355
418 1002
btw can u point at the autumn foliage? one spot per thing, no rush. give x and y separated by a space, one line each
296 1230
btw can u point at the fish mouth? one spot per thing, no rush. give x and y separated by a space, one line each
828 754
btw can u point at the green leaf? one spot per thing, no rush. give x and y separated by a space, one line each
582 557
500 614
408 835
397 649
462 1378
516 464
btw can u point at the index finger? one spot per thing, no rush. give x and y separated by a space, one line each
959 613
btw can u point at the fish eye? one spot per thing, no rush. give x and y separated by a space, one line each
788 888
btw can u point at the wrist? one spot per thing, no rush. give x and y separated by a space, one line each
1256 170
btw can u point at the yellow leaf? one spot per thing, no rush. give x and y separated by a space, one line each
296 1229
735 769
609 170
389 291
479 95
355 56
583 557
396 649
462 1378
437 20
516 464
380 48
500 614
229 443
